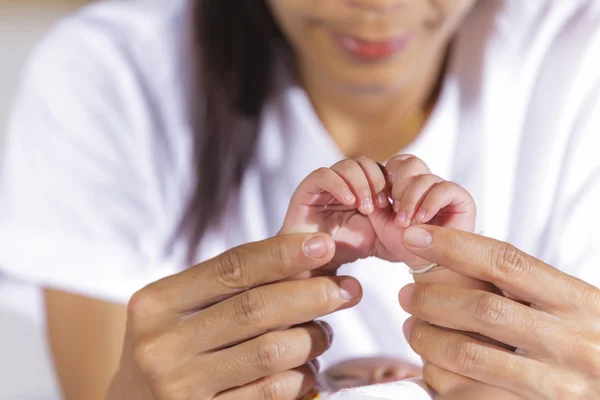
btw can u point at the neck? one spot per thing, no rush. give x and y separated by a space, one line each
372 123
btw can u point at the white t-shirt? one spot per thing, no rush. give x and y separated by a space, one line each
98 164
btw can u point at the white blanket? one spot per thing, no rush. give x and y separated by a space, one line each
402 390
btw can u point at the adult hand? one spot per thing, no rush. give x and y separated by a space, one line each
219 330
478 391
552 319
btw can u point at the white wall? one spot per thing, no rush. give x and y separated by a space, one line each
25 369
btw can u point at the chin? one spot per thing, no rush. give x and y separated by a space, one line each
373 89
370 87
368 79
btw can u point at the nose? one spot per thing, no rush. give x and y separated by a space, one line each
378 5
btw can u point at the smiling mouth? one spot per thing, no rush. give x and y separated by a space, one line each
371 50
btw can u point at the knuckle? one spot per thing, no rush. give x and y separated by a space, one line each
398 190
586 351
325 294
347 164
400 158
147 357
446 187
431 373
252 307
231 269
571 388
136 305
416 164
379 184
271 389
280 255
417 340
139 306
270 352
321 173
465 355
421 300
489 309
170 389
362 160
507 262
589 295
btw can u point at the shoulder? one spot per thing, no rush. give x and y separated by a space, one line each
142 23
534 36
113 67
524 53
110 41
103 91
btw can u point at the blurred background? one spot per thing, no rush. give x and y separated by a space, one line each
23 352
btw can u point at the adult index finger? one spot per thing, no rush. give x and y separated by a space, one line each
496 262
237 270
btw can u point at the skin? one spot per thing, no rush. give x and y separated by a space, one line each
234 327
350 202
551 318
362 104
171 347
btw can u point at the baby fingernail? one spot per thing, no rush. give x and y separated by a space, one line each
349 197
401 218
368 204
396 206
349 289
422 215
382 199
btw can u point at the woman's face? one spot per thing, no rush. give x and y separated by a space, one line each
368 44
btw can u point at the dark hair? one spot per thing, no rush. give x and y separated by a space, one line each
234 42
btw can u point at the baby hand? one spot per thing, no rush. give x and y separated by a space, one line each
418 197
350 201
338 201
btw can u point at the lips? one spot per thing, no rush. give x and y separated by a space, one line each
372 50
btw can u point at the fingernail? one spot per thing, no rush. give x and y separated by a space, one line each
328 331
349 289
349 197
368 204
401 218
396 206
422 215
382 199
408 327
390 177
417 237
405 295
315 247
